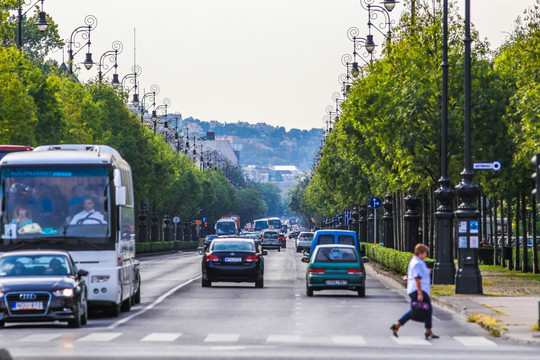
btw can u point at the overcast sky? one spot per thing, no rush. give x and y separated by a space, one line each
273 61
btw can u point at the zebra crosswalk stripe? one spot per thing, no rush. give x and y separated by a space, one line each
99 337
161 337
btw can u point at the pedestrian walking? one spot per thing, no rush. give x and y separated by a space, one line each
418 288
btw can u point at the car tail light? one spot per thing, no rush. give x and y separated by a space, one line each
317 271
211 257
354 271
252 258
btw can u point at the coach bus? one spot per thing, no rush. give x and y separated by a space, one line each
77 198
273 223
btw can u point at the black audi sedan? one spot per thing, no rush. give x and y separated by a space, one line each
38 285
233 260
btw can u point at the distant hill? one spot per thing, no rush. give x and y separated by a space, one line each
265 145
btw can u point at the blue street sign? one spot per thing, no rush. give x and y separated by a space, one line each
203 219
375 202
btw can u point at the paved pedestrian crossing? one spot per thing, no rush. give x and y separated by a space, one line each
239 339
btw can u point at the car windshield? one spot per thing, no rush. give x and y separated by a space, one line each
242 246
306 236
335 254
270 235
34 265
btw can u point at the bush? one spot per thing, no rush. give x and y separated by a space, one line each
391 259
151 247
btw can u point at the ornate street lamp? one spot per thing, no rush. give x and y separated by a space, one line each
468 277
91 23
152 94
41 24
359 43
132 78
112 56
444 270
166 103
373 14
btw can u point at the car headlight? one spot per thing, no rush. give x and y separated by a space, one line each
100 278
1 294
64 292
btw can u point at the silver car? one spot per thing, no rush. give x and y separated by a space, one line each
303 241
270 240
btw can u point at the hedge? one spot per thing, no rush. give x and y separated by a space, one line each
391 259
150 247
485 256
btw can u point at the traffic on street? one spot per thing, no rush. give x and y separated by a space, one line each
179 318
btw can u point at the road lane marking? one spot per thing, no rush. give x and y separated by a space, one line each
280 338
351 340
39 338
99 337
228 338
474 341
161 337
411 340
152 305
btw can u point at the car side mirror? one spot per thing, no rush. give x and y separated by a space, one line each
264 252
305 260
202 251
365 259
82 273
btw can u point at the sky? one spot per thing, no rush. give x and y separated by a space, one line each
272 61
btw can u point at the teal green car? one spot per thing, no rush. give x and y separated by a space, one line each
335 267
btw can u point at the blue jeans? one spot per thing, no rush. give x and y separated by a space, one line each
407 316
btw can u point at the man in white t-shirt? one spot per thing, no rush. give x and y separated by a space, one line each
89 215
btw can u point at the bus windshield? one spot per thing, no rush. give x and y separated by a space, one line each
226 227
64 206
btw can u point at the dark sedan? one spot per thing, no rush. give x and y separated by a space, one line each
233 260
42 286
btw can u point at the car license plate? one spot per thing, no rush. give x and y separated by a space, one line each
336 282
233 259
28 305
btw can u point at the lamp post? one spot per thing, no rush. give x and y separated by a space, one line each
132 77
41 24
468 277
358 44
373 14
112 56
166 103
444 269
152 94
91 23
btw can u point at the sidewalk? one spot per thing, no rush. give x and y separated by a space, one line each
516 313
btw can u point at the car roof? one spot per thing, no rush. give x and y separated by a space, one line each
36 252
336 231
225 239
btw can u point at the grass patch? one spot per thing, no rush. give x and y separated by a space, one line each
501 270
443 290
488 322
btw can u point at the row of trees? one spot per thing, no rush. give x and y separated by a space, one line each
387 139
41 104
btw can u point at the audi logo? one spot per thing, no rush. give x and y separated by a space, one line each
27 296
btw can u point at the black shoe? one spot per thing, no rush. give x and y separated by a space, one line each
394 329
431 335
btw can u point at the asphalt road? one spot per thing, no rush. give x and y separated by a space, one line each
178 318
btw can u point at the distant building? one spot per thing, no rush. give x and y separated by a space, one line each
284 176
